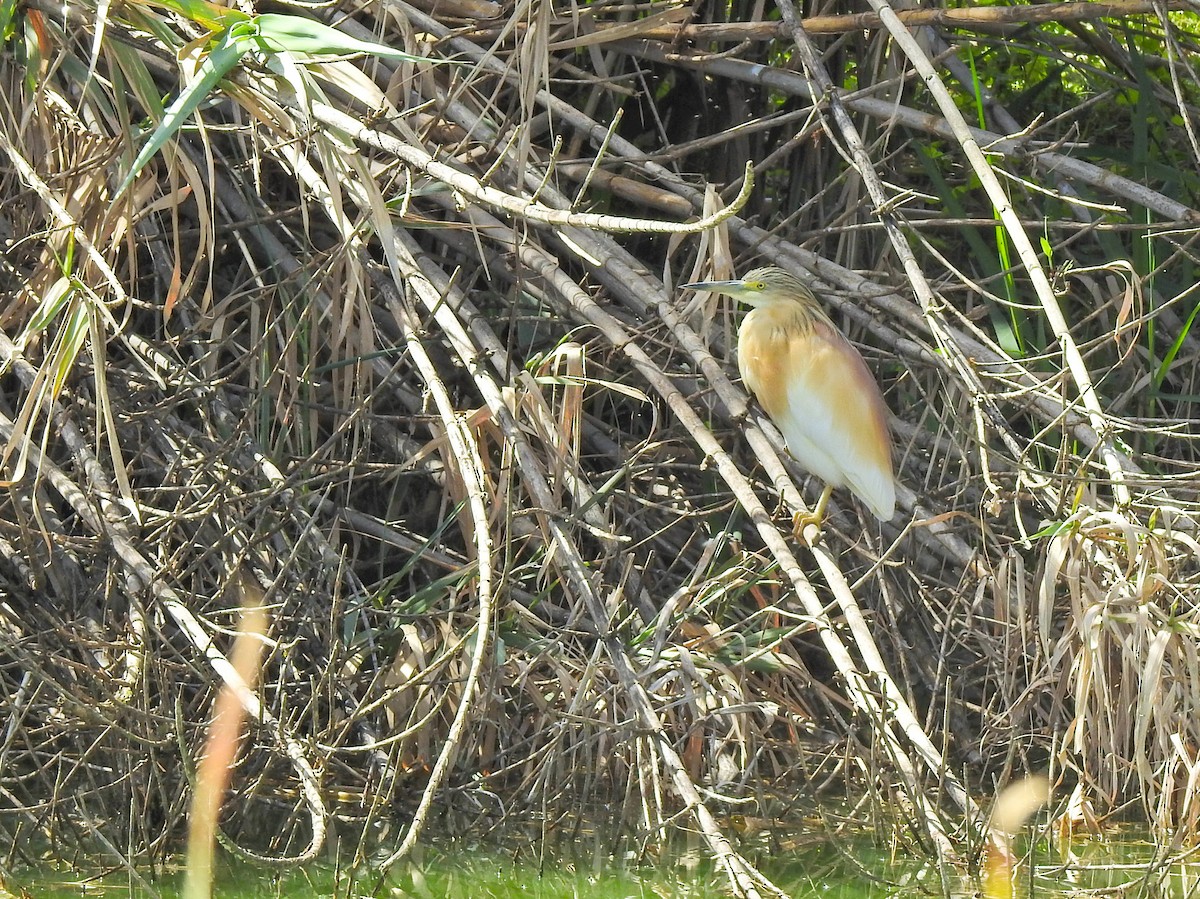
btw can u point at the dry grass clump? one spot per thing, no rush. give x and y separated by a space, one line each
391 345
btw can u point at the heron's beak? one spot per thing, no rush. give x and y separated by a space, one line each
714 286
736 289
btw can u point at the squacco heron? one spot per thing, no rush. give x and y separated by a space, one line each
815 386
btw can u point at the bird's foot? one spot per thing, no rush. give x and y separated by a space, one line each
802 520
800 523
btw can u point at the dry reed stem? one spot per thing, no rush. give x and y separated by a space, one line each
657 646
1043 153
743 877
469 465
1017 234
1002 19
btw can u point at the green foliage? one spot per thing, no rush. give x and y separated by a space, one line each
236 35
8 9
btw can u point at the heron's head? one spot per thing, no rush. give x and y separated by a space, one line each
761 287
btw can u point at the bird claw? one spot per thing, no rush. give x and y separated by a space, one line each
802 520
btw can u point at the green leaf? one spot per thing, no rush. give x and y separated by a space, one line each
278 33
1175 347
212 16
1052 529
55 298
271 33
229 50
70 342
8 9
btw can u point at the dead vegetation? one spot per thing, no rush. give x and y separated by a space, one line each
392 346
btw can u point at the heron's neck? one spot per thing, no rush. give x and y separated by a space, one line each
796 315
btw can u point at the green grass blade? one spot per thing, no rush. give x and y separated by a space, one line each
1014 334
1004 326
278 33
1165 367
52 303
8 9
74 334
229 50
212 16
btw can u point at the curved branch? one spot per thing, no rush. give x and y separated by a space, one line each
465 452
466 184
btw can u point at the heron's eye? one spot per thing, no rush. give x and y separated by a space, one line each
758 285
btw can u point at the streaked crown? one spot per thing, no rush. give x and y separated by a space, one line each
771 284
763 286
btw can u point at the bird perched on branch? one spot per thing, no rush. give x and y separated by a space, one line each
816 388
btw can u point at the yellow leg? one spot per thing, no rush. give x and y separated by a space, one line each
802 520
